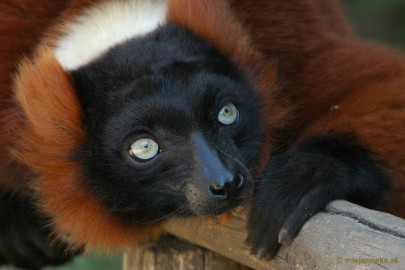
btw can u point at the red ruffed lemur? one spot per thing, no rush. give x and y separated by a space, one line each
117 115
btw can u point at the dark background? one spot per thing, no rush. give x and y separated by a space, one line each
381 20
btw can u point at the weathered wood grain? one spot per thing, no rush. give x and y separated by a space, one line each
345 236
174 254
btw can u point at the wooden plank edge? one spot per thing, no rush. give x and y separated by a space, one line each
345 236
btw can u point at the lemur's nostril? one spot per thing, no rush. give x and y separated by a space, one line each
218 190
229 187
238 181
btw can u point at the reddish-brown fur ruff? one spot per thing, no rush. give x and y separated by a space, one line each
336 83
333 16
51 132
21 27
47 123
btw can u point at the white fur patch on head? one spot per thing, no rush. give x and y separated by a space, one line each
104 25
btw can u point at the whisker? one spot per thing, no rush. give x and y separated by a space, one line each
165 216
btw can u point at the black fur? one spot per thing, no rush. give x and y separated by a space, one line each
169 86
301 181
24 238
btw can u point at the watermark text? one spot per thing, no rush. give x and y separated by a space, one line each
358 260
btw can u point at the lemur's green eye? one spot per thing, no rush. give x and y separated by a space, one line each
144 149
228 114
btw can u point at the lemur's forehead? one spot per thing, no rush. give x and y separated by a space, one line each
170 60
174 106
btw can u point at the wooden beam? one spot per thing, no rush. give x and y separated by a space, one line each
174 254
345 236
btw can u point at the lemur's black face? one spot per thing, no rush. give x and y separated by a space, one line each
173 128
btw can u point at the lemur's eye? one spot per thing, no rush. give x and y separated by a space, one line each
144 149
228 114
